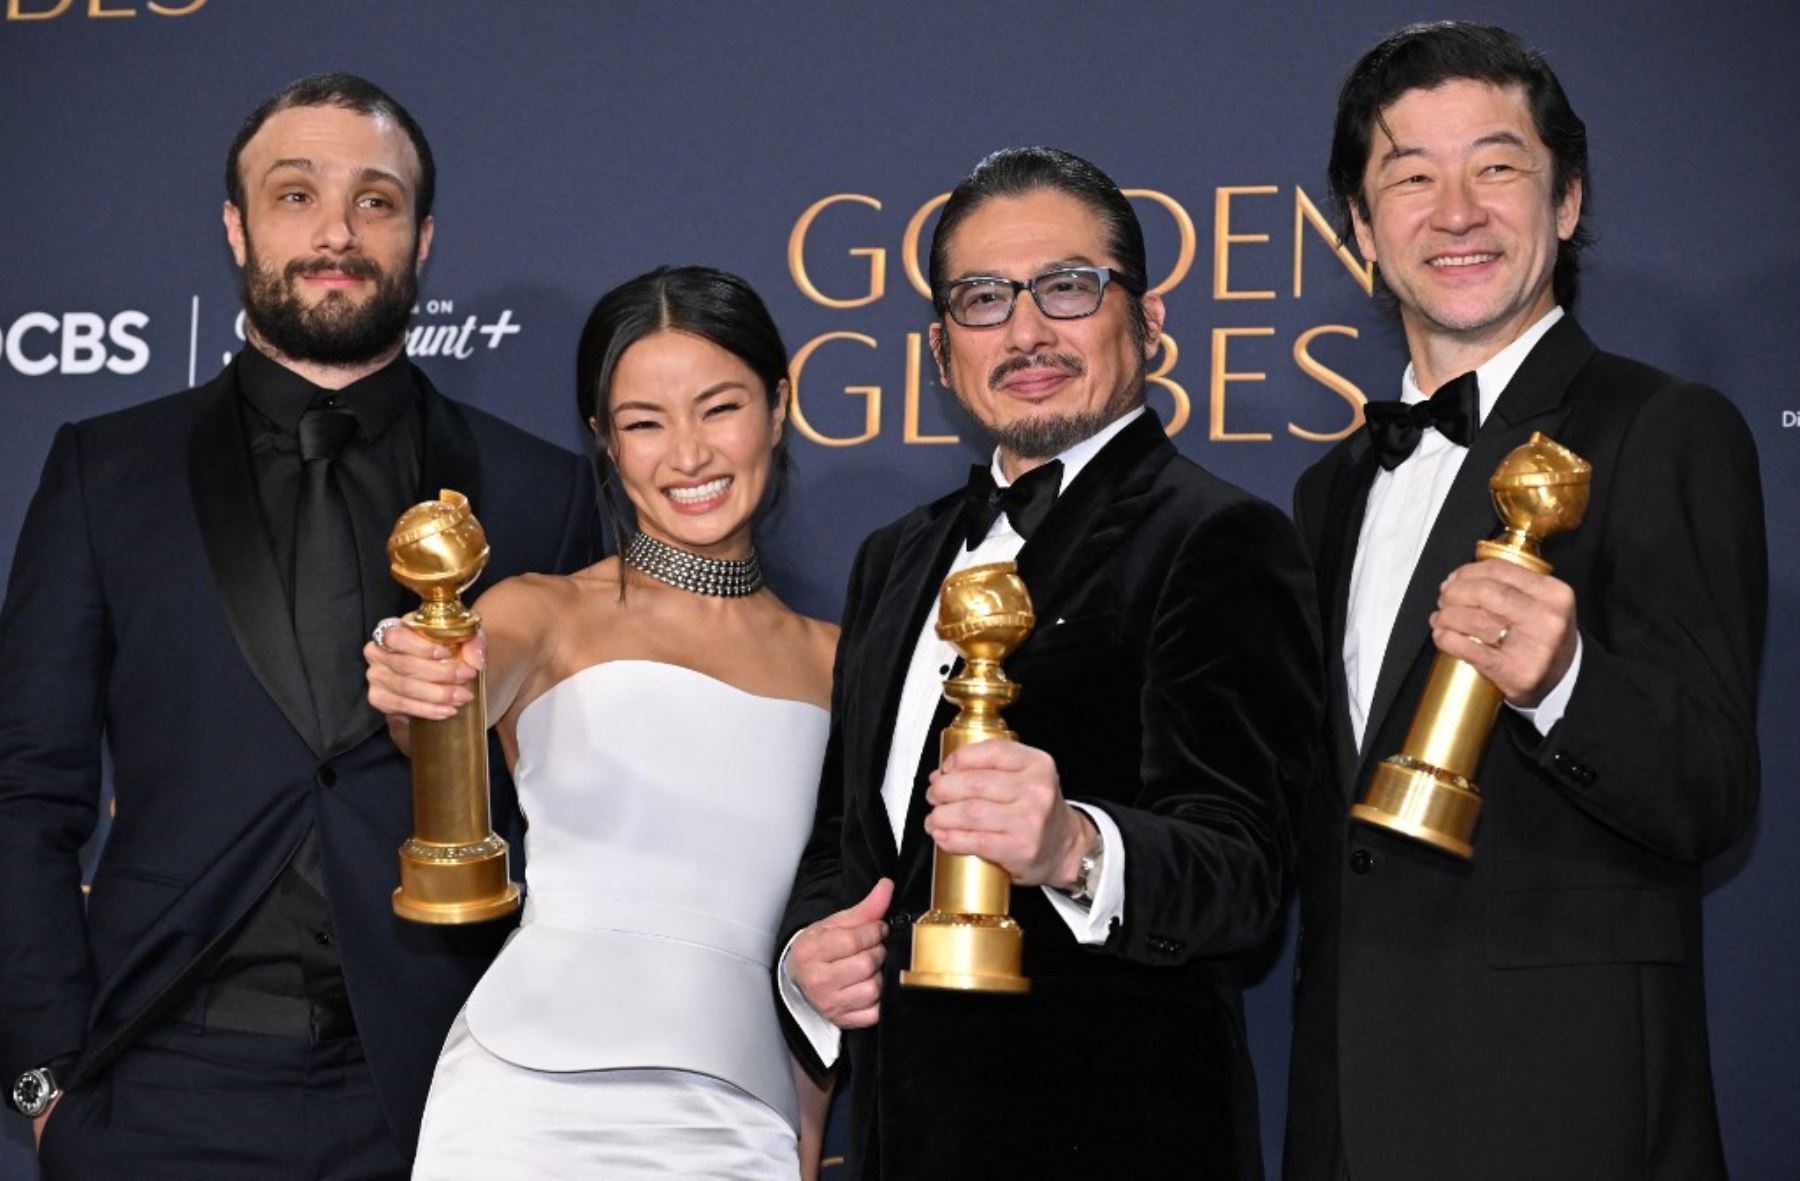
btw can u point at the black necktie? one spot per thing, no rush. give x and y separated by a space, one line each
1026 501
1395 427
328 614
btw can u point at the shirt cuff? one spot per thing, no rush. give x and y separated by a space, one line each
1544 716
823 1036
1092 922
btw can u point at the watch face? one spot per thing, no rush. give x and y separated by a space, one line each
33 1092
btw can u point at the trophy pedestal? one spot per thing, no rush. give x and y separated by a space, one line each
444 884
967 952
1422 802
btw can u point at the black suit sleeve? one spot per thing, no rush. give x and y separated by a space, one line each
54 646
1659 738
1232 706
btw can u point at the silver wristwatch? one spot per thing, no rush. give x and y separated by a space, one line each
34 1091
1087 878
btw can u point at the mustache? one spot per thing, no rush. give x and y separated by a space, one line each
355 268
1065 362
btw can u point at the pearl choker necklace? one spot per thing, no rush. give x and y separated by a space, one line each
694 572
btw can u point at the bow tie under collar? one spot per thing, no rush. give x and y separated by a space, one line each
1396 427
1026 501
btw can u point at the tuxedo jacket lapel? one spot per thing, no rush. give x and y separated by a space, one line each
243 562
1532 401
1345 509
1091 518
450 459
921 559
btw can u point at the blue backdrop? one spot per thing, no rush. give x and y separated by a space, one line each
804 146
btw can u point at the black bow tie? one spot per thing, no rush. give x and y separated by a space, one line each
1026 501
1395 427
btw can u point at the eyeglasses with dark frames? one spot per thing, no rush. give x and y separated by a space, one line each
1066 293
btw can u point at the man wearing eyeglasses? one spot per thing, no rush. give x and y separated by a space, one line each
1171 701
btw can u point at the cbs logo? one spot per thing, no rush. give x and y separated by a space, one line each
75 343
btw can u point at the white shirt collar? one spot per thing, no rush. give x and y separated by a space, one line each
1493 376
1077 456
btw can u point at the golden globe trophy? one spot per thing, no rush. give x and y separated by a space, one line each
967 940
454 867
1427 791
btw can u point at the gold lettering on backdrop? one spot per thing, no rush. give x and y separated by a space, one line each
1161 371
1185 234
97 9
1223 239
870 393
1221 375
796 254
915 366
909 243
1304 212
15 11
1183 405
1336 382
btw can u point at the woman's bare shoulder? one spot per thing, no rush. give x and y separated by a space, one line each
821 638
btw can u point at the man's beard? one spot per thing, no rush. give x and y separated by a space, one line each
337 330
1045 435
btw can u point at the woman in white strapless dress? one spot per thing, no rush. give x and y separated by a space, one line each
664 716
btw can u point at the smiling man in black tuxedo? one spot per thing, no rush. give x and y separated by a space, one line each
1171 703
1538 1011
191 588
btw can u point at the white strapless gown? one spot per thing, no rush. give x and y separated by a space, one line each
628 1029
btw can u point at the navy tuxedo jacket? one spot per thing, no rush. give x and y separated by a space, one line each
145 612
1539 1011
1175 677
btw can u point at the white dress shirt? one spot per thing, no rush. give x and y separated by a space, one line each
932 661
1403 504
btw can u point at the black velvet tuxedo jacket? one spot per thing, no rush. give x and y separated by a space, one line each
145 611
1539 1012
1175 677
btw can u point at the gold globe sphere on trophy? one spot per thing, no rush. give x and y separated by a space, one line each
968 940
454 867
1427 791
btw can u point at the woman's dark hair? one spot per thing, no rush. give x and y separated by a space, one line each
1425 56
703 302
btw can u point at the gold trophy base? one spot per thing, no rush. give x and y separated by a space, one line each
1423 802
967 952
455 884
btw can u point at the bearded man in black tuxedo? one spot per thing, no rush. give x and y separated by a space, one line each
1171 703
1538 1011
191 588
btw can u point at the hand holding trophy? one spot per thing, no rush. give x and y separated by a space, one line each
454 867
1427 791
967 940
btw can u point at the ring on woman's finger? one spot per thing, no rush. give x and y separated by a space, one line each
379 635
1505 630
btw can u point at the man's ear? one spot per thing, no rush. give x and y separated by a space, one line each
234 231
1155 312
427 229
1365 237
1568 210
940 355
